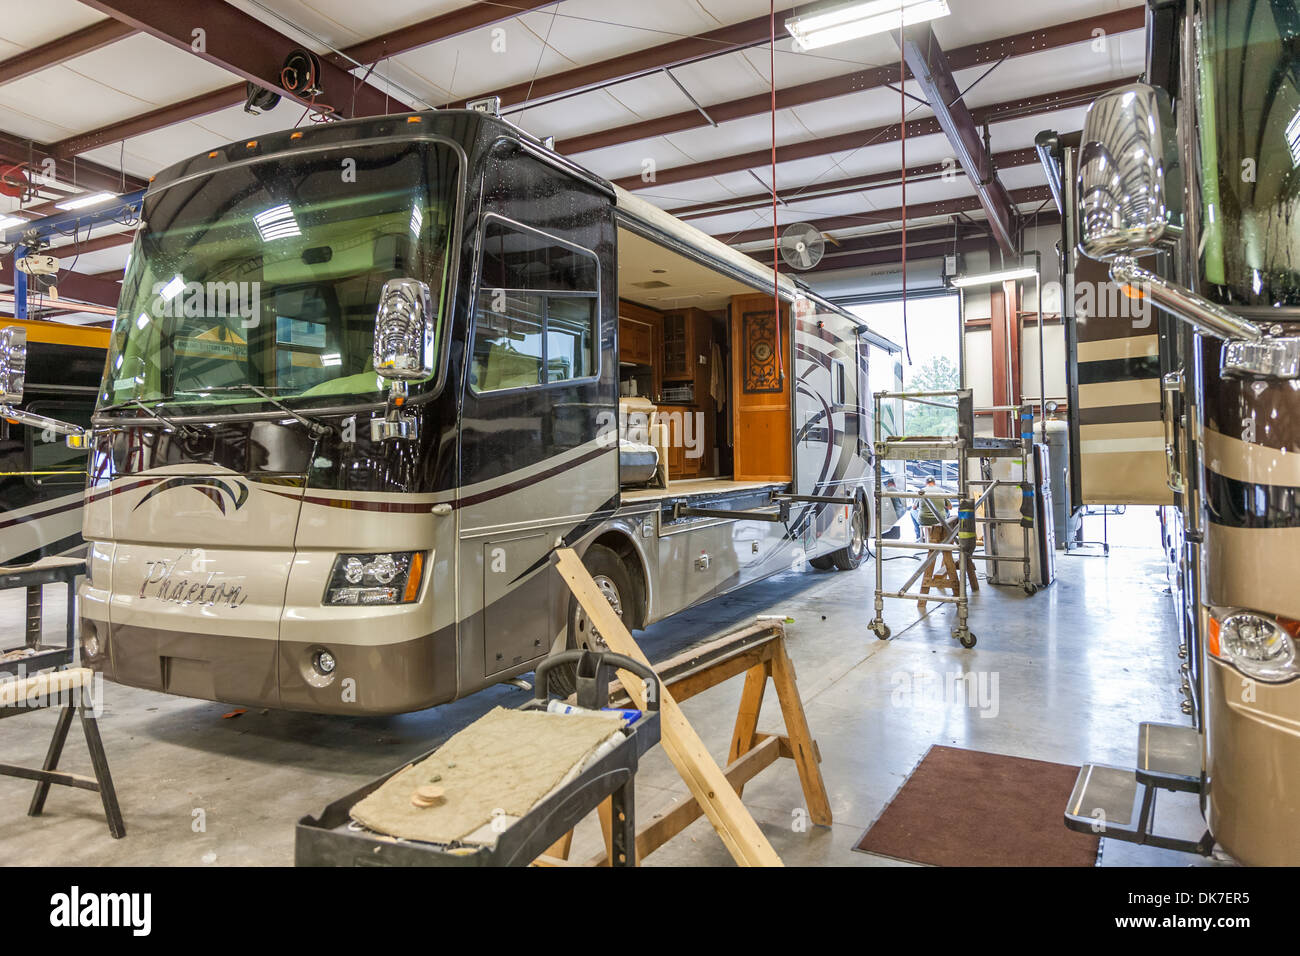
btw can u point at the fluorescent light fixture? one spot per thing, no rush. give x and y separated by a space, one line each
81 202
331 358
277 223
172 289
1293 138
850 21
417 221
993 278
7 222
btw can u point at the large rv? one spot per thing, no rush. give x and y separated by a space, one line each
42 480
1187 197
365 377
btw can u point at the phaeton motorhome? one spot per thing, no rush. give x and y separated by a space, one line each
365 377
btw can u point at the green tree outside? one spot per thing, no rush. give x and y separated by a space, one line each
937 375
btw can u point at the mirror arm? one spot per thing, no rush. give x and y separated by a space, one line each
32 420
1201 313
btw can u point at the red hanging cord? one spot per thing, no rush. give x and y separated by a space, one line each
776 242
902 140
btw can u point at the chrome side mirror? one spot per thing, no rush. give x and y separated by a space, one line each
404 331
1130 182
13 364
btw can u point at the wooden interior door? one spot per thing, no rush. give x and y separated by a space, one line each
760 366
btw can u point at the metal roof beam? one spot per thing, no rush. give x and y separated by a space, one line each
63 48
933 73
847 142
629 66
840 187
943 207
976 54
239 43
395 42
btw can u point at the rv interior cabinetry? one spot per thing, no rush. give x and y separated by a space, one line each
640 350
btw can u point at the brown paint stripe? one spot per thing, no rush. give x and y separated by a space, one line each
1115 414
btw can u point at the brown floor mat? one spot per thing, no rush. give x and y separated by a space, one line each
970 808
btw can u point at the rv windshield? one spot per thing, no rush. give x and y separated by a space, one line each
1249 118
266 277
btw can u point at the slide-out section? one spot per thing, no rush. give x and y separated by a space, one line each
704 360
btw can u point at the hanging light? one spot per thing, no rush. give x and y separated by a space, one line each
993 278
850 21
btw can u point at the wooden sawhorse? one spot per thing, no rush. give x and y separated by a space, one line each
757 651
948 579
67 688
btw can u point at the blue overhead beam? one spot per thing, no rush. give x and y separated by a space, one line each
59 224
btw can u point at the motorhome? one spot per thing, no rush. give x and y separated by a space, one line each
42 481
1185 196
366 376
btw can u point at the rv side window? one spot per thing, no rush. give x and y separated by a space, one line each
536 314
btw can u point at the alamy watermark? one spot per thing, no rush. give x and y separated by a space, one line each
976 690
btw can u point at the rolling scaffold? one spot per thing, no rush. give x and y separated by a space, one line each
959 539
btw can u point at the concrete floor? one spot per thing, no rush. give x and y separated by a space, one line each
1076 668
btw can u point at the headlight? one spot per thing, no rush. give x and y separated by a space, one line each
389 578
1259 646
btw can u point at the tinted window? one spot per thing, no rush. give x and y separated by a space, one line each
535 320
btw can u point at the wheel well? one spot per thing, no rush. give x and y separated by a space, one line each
622 545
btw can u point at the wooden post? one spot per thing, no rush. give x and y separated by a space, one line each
706 781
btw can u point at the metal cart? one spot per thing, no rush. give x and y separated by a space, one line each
332 839
960 538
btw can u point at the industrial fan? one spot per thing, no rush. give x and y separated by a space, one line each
802 246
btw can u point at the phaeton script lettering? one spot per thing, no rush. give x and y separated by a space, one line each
167 581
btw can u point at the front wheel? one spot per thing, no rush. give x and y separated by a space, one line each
614 582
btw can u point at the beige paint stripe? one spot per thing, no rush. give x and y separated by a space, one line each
1244 461
1125 479
1135 392
1111 446
1123 430
1106 349
1246 566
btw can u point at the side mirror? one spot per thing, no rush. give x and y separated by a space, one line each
404 331
1130 182
13 364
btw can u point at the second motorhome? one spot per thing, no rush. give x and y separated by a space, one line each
366 377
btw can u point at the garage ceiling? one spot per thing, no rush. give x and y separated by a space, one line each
678 86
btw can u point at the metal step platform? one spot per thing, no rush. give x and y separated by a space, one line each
1119 803
1169 757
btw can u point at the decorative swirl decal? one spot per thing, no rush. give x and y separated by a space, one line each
215 490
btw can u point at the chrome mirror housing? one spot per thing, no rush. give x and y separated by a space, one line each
404 331
13 364
1130 182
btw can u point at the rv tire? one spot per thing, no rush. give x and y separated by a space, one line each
849 558
615 582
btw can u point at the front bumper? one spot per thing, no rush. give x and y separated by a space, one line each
368 679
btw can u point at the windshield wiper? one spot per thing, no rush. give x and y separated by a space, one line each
316 429
185 431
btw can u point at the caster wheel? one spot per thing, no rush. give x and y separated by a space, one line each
967 640
1030 588
880 629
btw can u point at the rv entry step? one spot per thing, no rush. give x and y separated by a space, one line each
1169 757
1119 804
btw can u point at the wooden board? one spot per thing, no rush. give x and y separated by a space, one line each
703 777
